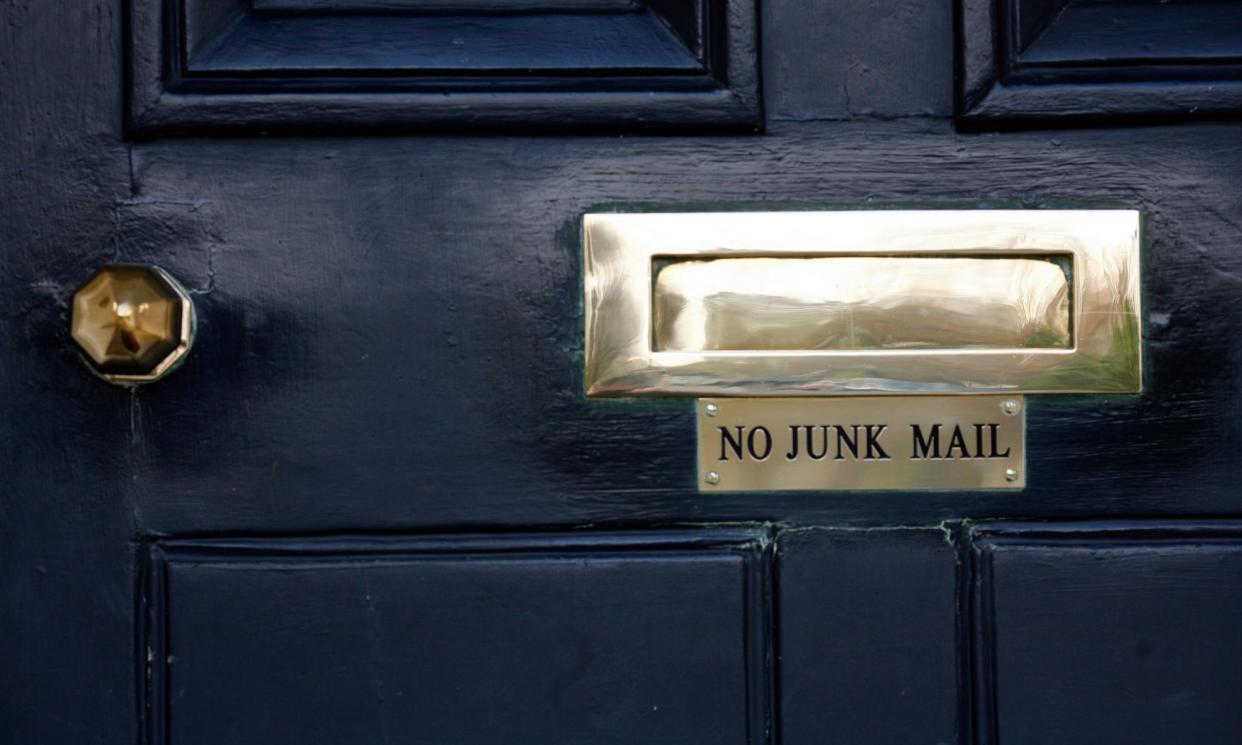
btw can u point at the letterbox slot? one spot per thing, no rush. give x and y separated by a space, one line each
861 302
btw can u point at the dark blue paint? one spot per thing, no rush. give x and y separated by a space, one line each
386 392
656 637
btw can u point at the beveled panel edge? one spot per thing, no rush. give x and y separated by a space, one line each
984 96
753 544
977 544
161 100
618 249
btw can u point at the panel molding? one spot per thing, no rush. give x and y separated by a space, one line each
979 633
754 548
1072 59
305 65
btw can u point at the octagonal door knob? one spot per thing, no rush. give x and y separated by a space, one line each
133 323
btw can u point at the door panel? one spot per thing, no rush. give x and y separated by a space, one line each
212 65
868 623
1107 633
608 638
1075 60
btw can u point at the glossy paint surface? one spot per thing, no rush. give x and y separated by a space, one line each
389 363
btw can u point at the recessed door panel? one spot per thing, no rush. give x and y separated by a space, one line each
611 638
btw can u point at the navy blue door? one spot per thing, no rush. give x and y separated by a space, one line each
375 504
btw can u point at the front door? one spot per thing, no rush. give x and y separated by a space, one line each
375 495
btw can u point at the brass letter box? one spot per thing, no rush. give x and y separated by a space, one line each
829 303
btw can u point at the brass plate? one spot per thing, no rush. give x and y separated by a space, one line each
862 303
907 443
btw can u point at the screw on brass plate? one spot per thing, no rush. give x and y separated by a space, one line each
711 409
1011 474
133 323
712 477
1011 406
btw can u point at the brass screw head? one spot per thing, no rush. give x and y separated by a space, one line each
133 323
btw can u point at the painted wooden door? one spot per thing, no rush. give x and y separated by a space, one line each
375 505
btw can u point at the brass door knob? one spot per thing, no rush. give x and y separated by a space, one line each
134 324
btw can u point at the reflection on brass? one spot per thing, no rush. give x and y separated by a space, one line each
133 323
910 443
815 303
861 303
